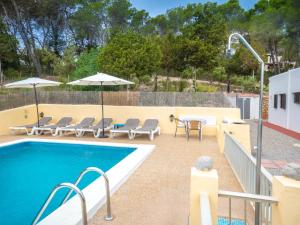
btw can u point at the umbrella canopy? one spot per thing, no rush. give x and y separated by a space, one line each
101 79
33 82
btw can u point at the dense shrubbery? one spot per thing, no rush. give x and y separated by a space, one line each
131 56
73 39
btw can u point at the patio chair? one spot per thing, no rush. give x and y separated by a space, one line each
85 123
53 128
130 125
194 125
180 124
97 129
150 127
29 128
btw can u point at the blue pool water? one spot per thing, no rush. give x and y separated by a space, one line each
30 170
225 221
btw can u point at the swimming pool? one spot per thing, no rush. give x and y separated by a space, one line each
225 221
29 169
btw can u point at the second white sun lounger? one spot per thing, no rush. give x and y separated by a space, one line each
85 123
150 127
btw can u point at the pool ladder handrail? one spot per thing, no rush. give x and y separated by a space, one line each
53 192
109 215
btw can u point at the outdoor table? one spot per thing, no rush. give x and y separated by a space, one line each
187 118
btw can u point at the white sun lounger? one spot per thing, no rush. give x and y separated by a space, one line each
150 127
131 124
97 129
29 128
53 128
85 123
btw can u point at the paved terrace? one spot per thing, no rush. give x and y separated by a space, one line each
157 193
279 149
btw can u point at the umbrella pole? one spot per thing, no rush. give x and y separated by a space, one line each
103 135
36 105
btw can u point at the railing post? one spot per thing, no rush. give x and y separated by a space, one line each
287 192
203 181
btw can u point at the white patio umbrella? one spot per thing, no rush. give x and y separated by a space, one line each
101 79
34 83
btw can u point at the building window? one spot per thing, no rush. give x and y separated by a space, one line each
297 98
275 101
282 101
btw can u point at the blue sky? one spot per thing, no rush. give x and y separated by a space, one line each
156 7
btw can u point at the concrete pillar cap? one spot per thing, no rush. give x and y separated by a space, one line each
204 163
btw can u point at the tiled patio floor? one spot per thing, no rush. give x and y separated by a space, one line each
158 191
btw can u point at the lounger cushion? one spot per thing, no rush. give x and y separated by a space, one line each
85 123
107 123
65 121
149 125
130 124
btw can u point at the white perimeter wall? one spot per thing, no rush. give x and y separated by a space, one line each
285 83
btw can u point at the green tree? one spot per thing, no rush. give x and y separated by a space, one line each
235 17
204 40
8 50
86 64
47 59
139 19
268 29
119 13
243 62
19 15
130 55
88 24
65 66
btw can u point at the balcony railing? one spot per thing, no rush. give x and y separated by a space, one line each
267 201
244 167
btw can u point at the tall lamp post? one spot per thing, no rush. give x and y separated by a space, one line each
230 52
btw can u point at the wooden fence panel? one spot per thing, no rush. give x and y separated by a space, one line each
18 98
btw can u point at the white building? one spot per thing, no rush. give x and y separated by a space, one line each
284 100
247 102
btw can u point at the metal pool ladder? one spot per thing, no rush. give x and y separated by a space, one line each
73 187
109 215
53 192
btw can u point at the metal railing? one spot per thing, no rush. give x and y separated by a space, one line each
108 216
205 212
263 199
74 187
244 167
53 192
